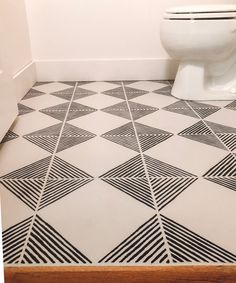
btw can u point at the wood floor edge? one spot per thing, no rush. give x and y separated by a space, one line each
137 274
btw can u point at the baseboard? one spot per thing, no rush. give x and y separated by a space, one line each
106 69
24 79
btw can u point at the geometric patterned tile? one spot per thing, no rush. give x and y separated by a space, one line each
76 110
9 136
24 109
166 90
144 245
65 94
167 181
116 92
231 105
201 133
27 183
148 86
81 93
121 109
140 110
46 245
124 135
181 107
203 110
149 136
32 93
224 172
52 87
72 136
133 92
187 246
45 138
226 134
14 240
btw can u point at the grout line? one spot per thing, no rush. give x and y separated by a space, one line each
228 149
148 179
46 177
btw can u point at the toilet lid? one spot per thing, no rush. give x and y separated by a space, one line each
202 12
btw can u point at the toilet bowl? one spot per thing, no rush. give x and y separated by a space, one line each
203 39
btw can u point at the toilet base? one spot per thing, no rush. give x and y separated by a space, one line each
192 83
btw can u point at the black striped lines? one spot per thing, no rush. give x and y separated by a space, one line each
201 133
45 138
180 107
46 245
145 245
224 173
64 94
186 246
9 136
27 183
123 135
226 134
13 241
22 109
138 110
32 93
202 109
167 181
130 178
133 92
132 168
116 92
81 93
72 136
120 109
149 136
63 170
76 110
166 90
231 106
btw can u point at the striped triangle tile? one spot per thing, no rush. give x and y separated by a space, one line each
199 132
120 109
13 240
81 93
116 92
32 93
166 90
9 136
181 107
64 94
188 247
22 109
46 245
133 92
145 245
224 172
202 109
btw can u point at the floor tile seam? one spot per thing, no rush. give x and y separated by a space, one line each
209 128
149 181
45 181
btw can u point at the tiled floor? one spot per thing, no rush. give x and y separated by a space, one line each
118 173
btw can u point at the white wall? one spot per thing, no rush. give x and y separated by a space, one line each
85 32
15 46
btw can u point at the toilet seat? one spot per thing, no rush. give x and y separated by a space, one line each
201 12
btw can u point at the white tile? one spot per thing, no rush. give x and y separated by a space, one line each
98 122
97 156
43 101
18 153
31 122
147 85
224 116
220 103
99 101
99 86
207 209
167 121
96 218
155 100
12 208
51 87
191 156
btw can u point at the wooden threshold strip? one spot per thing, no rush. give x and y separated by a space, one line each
141 274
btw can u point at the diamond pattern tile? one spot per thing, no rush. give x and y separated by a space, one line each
118 173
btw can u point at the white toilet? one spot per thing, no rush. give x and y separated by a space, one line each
203 39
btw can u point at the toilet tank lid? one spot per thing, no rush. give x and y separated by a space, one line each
201 9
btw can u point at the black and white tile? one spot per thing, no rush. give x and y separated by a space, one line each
118 173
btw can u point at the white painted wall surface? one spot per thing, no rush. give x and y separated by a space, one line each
86 32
